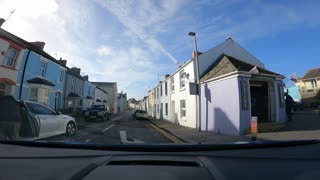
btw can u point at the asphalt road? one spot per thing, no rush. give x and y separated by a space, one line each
121 129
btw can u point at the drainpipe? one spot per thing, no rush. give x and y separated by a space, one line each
23 72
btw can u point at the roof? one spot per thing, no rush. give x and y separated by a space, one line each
104 83
28 45
89 97
101 89
228 47
73 95
40 81
69 71
238 65
312 73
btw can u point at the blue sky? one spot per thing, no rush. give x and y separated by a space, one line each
131 42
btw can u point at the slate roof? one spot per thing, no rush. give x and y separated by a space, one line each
89 97
312 73
69 71
239 65
230 48
28 45
40 81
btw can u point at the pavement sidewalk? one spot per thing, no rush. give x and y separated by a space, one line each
194 136
305 125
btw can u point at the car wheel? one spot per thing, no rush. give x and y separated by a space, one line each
71 128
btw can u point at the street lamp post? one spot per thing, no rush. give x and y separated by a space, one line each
197 78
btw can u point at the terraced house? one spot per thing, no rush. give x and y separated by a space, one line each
33 75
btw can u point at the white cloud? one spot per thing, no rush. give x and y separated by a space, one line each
104 50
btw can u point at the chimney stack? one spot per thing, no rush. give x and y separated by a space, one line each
39 44
63 62
194 54
86 77
166 76
2 21
76 70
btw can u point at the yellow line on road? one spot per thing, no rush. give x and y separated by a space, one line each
167 135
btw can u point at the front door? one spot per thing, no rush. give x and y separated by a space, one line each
173 112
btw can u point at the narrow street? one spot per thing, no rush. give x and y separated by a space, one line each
121 129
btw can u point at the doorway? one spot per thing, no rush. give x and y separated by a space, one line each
259 100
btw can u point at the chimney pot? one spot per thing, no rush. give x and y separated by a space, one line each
194 54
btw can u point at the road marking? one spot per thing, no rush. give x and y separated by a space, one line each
87 140
106 129
123 137
164 133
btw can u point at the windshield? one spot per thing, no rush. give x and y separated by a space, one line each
159 72
97 107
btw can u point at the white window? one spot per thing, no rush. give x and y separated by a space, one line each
172 84
166 108
39 95
182 108
161 90
61 75
182 79
158 93
10 57
166 88
5 89
314 83
72 85
43 68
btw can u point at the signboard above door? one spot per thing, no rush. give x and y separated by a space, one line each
262 77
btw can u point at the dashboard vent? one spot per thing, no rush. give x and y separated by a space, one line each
155 163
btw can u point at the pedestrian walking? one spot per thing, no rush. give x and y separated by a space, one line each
289 106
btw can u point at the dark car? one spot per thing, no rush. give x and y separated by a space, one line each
97 112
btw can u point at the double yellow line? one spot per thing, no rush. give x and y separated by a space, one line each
164 133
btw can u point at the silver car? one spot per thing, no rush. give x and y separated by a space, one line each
140 114
50 122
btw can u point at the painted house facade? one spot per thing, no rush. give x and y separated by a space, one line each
100 97
112 93
122 102
231 94
11 52
151 103
229 91
88 97
309 86
73 92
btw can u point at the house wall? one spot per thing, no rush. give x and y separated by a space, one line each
79 85
166 99
88 90
245 114
220 102
33 71
10 72
308 93
184 94
158 102
99 94
151 102
112 93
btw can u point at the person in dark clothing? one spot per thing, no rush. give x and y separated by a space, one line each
289 106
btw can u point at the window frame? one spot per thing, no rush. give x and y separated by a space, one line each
172 84
314 84
161 91
38 99
166 88
73 82
12 58
183 109
7 89
61 78
166 109
182 79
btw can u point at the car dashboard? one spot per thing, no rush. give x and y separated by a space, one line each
28 162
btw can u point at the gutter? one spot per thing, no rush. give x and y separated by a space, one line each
23 73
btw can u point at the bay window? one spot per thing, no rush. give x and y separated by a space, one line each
5 89
39 95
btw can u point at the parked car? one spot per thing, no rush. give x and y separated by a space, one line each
134 113
97 112
140 114
52 123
